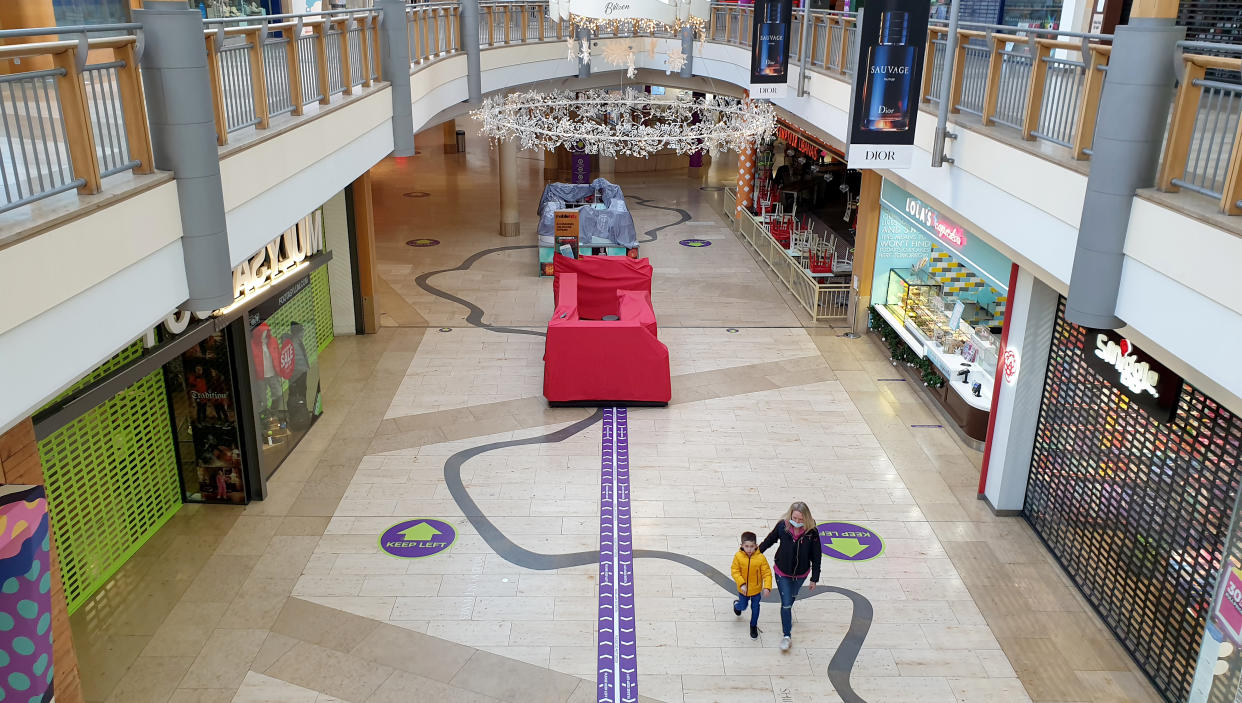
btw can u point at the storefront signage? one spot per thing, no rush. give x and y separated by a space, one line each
280 256
849 542
1010 364
414 539
658 10
769 58
1229 607
1150 384
885 103
949 233
968 249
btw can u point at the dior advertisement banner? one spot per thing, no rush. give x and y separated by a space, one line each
769 58
886 84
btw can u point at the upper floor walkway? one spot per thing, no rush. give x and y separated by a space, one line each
90 231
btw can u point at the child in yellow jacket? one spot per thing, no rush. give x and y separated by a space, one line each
753 578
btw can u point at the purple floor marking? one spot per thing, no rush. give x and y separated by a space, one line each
617 675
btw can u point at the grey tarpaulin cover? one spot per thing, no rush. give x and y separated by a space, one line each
596 227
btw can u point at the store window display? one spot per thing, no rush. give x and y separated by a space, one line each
201 395
284 366
938 287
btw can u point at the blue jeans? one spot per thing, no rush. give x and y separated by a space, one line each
788 588
752 602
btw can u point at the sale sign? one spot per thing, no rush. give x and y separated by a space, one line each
1229 607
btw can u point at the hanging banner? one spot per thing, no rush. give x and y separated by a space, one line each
769 58
886 84
657 10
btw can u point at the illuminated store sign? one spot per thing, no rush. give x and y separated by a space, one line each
280 256
949 233
1144 380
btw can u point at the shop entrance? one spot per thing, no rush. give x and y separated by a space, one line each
1134 507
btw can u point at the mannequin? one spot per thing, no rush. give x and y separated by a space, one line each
266 353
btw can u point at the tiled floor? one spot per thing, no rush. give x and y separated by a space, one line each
291 600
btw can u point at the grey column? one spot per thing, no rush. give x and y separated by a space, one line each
584 68
510 226
687 48
394 34
470 43
183 137
1134 108
1030 320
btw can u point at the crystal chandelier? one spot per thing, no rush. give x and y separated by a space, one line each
632 123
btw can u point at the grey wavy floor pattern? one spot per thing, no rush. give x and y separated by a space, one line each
475 315
839 668
842 662
653 234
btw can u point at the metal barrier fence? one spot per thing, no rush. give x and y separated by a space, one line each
821 300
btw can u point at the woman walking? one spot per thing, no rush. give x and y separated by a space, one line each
797 557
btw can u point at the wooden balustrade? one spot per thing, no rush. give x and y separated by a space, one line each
79 134
934 34
846 23
1181 132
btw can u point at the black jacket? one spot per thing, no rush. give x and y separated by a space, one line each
793 556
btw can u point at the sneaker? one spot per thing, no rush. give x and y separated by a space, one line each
785 642
737 612
754 632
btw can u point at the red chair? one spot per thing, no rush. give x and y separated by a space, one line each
604 362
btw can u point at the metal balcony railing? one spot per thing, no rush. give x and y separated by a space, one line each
68 124
1203 150
65 124
269 66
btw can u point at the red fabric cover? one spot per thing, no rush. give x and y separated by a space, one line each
591 360
599 279
636 306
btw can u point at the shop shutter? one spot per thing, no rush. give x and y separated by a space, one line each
323 306
1212 21
1136 511
111 481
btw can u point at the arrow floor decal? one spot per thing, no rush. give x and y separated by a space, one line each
617 673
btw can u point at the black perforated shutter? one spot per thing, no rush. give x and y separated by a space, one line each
1211 20
1136 511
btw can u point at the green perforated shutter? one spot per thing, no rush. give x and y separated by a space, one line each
323 306
111 479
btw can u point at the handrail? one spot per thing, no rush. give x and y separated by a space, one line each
292 16
1204 128
1044 83
69 29
73 124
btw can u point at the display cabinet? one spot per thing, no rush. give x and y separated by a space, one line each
910 295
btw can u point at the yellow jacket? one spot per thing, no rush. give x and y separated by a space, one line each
751 571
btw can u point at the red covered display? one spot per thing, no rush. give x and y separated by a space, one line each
601 277
605 362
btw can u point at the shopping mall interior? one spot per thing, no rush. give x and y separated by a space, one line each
321 384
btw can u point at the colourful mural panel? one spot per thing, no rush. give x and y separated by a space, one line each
25 596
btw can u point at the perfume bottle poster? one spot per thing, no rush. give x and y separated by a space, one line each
891 41
769 58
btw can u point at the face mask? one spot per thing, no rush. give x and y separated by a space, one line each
795 524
